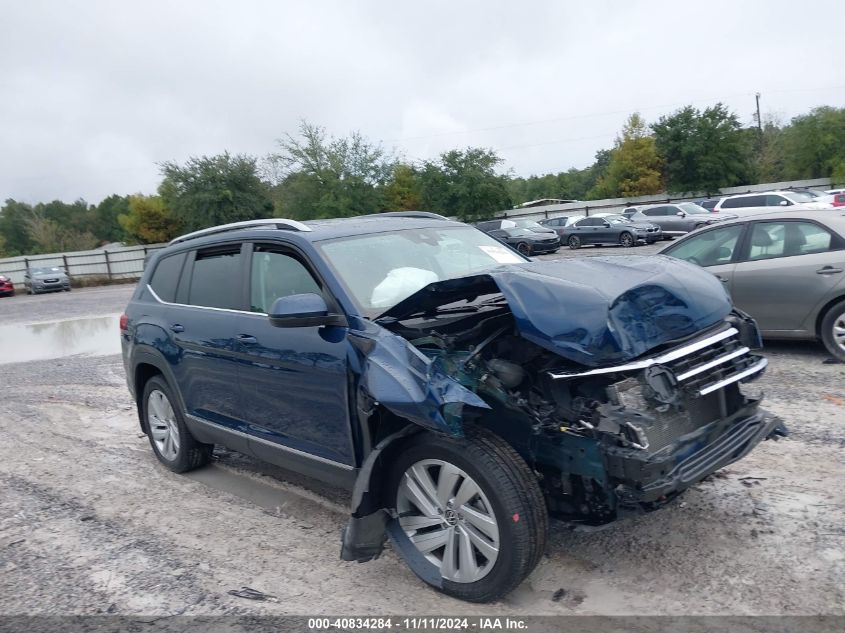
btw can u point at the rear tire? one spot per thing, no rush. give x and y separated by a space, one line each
833 331
475 546
574 242
171 440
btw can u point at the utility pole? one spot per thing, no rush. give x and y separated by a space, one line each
759 120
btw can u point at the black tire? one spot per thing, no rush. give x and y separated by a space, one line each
524 248
626 240
574 242
833 318
667 238
190 454
517 504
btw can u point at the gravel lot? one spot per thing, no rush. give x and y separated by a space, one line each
90 523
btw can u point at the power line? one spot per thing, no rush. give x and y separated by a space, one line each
601 114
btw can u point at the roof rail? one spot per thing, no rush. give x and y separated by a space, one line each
279 223
405 214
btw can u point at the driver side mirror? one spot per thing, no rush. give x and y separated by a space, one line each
783 203
304 310
681 214
606 224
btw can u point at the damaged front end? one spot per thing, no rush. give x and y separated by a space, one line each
618 397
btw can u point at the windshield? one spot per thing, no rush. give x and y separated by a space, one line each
44 271
691 207
379 270
799 196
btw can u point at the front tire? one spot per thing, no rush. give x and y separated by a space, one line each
626 240
472 520
171 440
524 248
833 331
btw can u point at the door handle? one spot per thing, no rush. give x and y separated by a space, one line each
247 339
176 327
828 270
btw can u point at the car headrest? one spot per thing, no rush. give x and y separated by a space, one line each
761 238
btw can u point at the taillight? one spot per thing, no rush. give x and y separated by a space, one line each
124 322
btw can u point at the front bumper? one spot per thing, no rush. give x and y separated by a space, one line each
645 479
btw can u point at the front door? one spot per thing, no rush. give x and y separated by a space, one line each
293 381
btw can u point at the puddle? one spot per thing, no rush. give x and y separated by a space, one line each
99 336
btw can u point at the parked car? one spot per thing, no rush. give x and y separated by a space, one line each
835 199
526 241
45 279
675 219
7 288
785 269
462 392
530 225
709 203
559 223
754 202
834 191
608 228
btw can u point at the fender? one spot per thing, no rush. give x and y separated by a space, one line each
145 354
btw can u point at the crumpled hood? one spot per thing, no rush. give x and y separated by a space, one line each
593 310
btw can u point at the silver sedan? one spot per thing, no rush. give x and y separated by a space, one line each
785 269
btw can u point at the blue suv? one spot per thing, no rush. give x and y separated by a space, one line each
461 391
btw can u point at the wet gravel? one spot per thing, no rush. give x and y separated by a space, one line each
90 523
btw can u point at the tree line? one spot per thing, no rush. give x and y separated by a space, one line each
315 175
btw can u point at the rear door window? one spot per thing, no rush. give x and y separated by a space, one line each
165 277
787 239
216 279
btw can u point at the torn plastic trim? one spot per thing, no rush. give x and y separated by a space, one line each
364 536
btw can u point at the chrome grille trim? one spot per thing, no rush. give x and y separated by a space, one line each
713 363
657 360
760 365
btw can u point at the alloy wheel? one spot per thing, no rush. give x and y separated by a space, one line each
626 240
523 248
839 331
162 424
448 518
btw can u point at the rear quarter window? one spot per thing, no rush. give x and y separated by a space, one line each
166 275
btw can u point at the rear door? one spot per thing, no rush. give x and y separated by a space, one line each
587 230
202 326
787 269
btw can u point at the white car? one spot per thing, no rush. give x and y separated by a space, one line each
746 203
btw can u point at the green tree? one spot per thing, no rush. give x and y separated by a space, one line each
814 144
212 190
464 183
320 176
149 221
703 150
13 227
105 215
634 168
51 237
403 193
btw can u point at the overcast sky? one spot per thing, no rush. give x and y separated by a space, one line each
94 93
